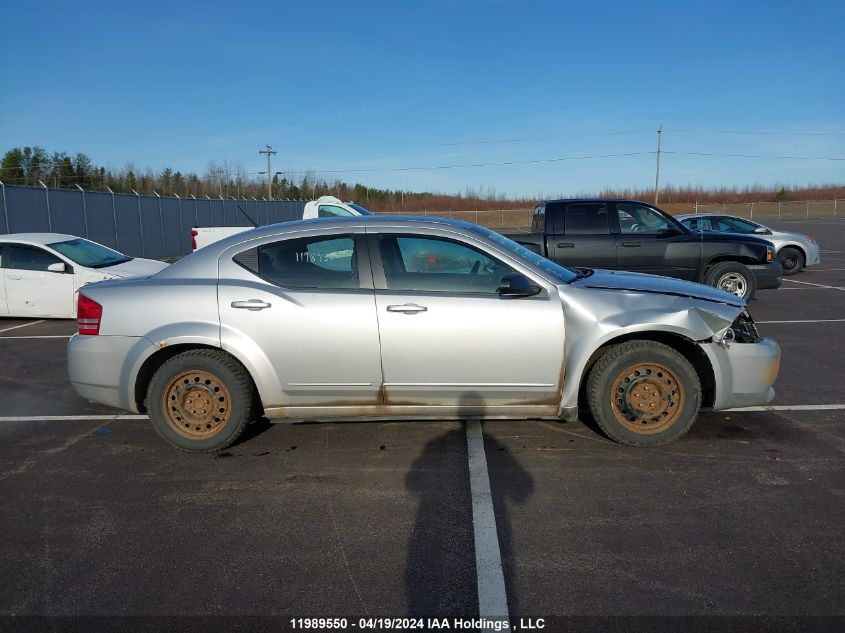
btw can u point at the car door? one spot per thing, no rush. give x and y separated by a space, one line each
449 340
650 243
302 308
32 289
581 235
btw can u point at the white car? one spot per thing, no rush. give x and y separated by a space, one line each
41 273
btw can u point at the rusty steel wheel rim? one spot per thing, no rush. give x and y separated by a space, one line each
647 398
196 404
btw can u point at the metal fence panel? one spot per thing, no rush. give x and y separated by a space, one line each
98 208
4 223
151 224
27 210
68 212
129 236
204 212
171 227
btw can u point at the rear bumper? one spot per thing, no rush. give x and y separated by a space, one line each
744 373
100 368
768 276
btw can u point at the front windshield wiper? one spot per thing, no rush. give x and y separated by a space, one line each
114 263
582 273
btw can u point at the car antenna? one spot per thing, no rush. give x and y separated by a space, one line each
246 215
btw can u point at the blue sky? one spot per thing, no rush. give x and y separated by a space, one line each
379 85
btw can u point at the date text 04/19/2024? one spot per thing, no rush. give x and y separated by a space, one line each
416 624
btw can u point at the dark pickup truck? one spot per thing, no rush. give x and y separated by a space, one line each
636 236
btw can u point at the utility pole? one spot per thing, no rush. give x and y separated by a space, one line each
269 151
657 173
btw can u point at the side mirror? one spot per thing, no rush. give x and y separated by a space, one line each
762 230
58 267
517 285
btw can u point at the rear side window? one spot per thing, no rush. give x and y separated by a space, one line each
331 211
328 262
538 222
30 258
586 219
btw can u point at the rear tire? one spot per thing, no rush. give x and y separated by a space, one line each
200 400
732 277
791 259
643 393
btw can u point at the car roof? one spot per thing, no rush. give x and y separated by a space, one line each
711 214
577 200
38 238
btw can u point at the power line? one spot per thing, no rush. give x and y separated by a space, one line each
491 141
465 166
830 158
757 133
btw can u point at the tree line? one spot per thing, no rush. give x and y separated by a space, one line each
34 165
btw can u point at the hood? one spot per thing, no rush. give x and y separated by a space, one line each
640 282
788 236
718 236
137 267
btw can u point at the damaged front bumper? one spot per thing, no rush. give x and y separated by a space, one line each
745 366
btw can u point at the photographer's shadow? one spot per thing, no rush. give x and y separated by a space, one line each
440 577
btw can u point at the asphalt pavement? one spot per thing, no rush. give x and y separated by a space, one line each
738 523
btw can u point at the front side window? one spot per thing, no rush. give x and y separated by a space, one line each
328 262
31 258
636 218
690 223
432 264
331 211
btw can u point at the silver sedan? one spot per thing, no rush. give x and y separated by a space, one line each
794 250
395 317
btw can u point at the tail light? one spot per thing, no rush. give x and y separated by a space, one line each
194 234
88 315
769 255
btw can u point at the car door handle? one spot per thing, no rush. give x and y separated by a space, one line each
407 308
251 304
632 243
16 278
565 245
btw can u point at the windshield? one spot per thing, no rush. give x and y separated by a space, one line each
359 208
89 254
561 273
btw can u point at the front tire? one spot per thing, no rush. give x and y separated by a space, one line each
791 259
200 400
643 393
732 277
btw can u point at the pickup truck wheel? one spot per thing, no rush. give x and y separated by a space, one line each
732 277
791 259
200 400
643 393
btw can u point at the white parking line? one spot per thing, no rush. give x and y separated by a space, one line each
792 407
18 338
15 327
807 283
69 418
492 598
805 320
